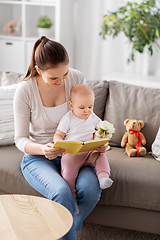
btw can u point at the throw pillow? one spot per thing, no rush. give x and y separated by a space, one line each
156 146
132 102
9 78
6 114
100 89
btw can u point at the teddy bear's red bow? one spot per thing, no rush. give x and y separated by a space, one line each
139 139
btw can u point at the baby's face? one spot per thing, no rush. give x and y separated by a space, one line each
82 106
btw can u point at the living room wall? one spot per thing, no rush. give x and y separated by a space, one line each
98 58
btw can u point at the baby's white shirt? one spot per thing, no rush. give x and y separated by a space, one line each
78 129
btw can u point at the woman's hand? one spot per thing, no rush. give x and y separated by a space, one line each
51 152
103 148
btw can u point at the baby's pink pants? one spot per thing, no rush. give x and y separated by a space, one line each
72 163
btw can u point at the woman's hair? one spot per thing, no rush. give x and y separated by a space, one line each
46 54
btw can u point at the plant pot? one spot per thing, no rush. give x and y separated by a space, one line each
44 32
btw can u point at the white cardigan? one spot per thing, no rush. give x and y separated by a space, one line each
30 119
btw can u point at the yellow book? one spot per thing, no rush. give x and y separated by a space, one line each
75 147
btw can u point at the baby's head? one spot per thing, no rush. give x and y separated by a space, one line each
82 101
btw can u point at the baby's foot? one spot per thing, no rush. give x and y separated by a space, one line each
76 207
108 148
105 182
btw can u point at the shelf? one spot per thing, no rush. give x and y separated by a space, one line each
26 13
11 2
11 37
31 3
42 3
10 13
32 14
36 3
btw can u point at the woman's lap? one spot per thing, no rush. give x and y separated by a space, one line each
44 176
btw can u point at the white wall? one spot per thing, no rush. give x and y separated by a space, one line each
98 58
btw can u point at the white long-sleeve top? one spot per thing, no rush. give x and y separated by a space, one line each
30 118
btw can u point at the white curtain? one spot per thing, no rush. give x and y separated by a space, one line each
98 58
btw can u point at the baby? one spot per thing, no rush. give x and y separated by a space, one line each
80 124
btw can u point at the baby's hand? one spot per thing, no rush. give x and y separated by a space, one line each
97 136
103 148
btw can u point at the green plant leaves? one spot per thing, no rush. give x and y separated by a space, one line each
44 22
139 22
151 3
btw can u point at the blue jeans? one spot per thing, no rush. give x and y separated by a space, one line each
45 176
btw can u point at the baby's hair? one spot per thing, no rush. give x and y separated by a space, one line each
46 54
81 89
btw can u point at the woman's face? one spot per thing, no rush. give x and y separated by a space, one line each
55 76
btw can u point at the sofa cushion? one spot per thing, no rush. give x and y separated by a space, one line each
9 78
133 102
156 146
100 89
6 114
11 178
136 181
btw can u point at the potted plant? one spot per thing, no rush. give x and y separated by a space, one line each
139 22
44 24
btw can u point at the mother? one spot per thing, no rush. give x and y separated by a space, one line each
41 99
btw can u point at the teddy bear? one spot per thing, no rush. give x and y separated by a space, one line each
133 140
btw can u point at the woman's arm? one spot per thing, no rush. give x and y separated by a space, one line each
46 149
22 118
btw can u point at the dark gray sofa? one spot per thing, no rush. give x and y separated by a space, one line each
133 201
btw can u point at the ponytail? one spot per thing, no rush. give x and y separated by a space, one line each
46 54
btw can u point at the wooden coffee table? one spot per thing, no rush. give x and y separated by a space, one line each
25 217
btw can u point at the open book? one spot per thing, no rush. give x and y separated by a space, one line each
75 147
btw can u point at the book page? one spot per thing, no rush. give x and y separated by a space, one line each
75 146
70 146
91 145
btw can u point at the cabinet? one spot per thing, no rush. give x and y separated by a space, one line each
16 48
